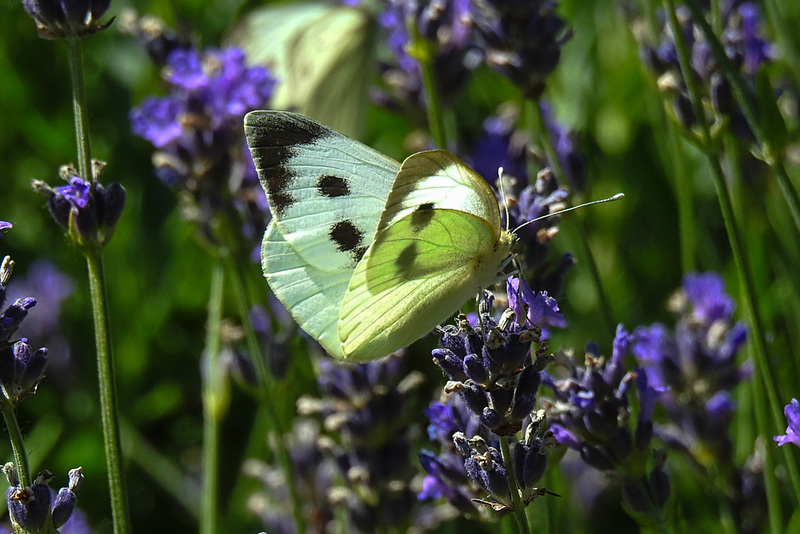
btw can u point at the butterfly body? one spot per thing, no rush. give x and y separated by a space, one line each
367 254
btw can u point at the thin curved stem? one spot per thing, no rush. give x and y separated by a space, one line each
108 394
80 109
17 443
513 487
215 403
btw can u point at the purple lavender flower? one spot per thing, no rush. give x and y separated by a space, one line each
446 475
590 413
489 364
197 130
30 507
695 369
743 41
61 19
444 26
521 40
696 365
5 226
792 413
88 211
21 370
359 465
51 288
503 145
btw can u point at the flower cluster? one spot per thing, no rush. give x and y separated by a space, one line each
792 413
444 34
696 369
696 366
87 210
62 20
742 38
590 413
361 463
197 131
489 365
503 145
521 40
21 368
31 507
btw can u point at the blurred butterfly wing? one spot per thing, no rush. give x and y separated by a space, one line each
311 296
322 55
325 191
415 274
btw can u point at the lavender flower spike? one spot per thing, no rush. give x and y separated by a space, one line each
61 19
792 412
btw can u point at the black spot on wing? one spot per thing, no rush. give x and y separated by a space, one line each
333 186
406 258
273 138
422 216
348 238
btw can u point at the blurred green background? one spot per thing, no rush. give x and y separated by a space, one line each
158 275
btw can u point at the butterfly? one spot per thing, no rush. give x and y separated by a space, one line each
368 254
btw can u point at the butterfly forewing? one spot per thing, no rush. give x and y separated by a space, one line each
439 179
325 191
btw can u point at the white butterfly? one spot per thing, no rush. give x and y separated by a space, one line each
366 254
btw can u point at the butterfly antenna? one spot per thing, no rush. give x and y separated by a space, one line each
559 212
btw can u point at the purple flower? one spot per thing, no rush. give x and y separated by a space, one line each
21 370
444 26
695 365
792 413
67 18
87 210
521 40
197 130
5 226
538 309
741 38
157 120
30 507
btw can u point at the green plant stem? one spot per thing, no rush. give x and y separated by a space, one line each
17 443
267 387
80 110
513 487
748 293
108 394
424 52
683 194
215 405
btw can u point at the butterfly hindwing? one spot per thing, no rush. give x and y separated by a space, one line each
325 191
312 296
415 274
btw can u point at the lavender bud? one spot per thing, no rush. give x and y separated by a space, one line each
682 108
596 458
659 486
59 19
635 497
